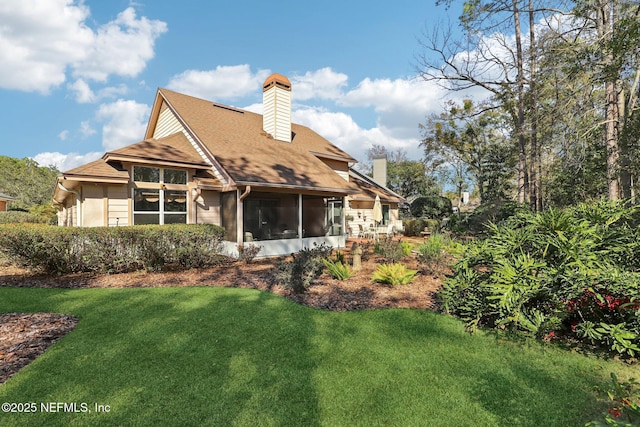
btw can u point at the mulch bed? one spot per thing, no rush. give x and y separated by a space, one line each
24 336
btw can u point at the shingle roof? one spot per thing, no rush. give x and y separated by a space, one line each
97 169
236 140
173 148
369 189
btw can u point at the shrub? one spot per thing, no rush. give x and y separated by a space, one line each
303 270
414 227
60 250
337 269
494 212
246 253
570 273
431 207
393 274
390 250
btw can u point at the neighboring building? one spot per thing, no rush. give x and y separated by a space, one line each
4 199
360 205
262 178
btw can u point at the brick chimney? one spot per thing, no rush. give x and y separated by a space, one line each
276 100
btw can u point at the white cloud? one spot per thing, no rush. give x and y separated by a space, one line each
84 94
64 162
120 47
82 91
63 135
342 130
125 123
322 84
41 40
401 104
223 83
86 130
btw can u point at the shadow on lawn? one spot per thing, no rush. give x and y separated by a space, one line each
184 357
518 382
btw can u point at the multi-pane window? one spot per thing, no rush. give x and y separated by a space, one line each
155 205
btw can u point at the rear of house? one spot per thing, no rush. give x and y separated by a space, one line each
266 180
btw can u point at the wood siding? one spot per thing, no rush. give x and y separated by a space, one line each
208 208
3 205
277 113
118 205
168 124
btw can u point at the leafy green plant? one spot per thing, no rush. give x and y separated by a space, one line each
624 398
393 274
570 273
619 338
406 248
337 269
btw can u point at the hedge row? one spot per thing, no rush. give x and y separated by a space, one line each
60 250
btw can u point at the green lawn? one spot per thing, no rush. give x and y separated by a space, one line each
238 357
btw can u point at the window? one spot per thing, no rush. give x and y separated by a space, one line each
155 205
145 174
174 176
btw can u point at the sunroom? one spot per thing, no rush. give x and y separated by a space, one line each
282 223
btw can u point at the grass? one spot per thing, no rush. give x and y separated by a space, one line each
239 357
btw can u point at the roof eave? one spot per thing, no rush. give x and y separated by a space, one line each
334 157
151 160
278 186
93 178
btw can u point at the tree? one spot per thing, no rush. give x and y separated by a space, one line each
596 51
408 178
485 59
471 138
585 49
27 181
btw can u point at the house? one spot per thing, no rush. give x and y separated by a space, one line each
262 178
360 205
3 202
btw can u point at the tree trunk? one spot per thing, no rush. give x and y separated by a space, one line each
605 22
534 175
520 131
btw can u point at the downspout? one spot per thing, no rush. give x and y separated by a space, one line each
77 193
244 195
240 215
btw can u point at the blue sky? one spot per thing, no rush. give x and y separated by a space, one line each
79 77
